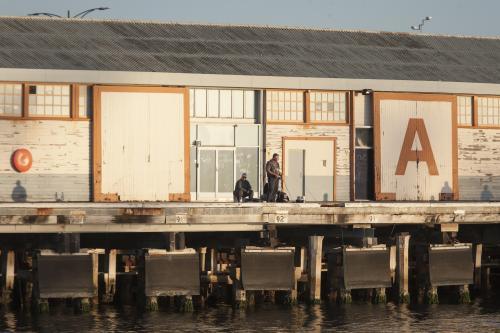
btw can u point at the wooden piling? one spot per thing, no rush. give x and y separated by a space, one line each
478 253
402 267
464 294
432 295
110 277
212 261
344 296
81 305
95 282
42 305
485 279
8 275
203 255
27 296
239 294
239 297
186 304
315 257
151 303
379 296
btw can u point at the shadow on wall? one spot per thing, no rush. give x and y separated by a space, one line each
19 193
486 194
446 188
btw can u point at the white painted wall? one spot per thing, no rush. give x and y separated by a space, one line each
61 159
142 144
416 184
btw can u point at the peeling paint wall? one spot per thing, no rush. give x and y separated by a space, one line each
61 160
479 164
275 133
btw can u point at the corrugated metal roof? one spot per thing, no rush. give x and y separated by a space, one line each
42 43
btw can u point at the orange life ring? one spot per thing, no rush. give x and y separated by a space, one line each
22 160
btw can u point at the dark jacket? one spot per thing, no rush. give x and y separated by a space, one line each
242 184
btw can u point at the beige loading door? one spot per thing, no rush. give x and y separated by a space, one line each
415 147
309 168
141 139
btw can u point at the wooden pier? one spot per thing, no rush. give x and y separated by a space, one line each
220 217
244 253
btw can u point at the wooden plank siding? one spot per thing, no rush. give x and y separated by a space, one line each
275 133
479 163
61 160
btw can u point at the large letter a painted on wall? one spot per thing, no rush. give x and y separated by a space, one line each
416 126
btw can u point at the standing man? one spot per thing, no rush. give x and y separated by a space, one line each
273 176
243 189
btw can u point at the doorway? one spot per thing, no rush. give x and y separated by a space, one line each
309 168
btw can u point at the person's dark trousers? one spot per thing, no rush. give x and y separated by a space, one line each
242 194
273 188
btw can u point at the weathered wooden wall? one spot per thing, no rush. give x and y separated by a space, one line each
479 164
275 133
61 160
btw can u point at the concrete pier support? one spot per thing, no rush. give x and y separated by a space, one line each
315 257
8 275
402 267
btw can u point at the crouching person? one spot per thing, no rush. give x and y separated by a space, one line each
242 189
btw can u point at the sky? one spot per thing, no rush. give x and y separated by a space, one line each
456 17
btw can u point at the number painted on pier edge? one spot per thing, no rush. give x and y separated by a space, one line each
281 218
181 218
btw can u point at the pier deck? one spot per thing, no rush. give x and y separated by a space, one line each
220 217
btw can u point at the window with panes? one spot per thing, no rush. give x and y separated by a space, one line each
286 106
49 100
222 103
328 106
465 110
11 99
488 111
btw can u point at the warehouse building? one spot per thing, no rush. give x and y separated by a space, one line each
141 111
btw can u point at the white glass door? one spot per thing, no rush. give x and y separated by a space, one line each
216 177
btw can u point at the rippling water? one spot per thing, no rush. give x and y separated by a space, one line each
478 317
